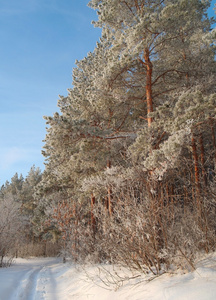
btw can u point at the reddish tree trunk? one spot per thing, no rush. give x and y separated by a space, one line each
213 139
109 191
196 172
202 158
93 220
148 85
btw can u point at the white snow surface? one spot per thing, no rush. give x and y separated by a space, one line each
50 279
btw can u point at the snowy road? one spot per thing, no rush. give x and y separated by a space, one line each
50 279
33 279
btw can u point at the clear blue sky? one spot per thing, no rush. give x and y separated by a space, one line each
39 43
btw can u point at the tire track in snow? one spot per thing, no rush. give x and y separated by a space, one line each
37 281
26 289
46 284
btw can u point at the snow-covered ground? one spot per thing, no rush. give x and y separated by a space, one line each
50 279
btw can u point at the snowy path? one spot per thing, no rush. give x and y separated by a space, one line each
32 279
28 283
50 279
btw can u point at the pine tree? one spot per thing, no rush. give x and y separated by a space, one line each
161 49
29 203
135 131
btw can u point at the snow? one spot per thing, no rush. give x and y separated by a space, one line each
50 279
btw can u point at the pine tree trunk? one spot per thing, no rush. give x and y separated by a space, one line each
196 174
213 140
109 191
148 86
93 220
202 158
75 231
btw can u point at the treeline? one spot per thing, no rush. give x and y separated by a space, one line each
131 158
22 228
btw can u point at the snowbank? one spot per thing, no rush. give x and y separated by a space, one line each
50 279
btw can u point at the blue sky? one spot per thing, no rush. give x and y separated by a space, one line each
40 41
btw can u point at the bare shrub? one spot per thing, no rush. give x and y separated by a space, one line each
10 227
44 248
151 228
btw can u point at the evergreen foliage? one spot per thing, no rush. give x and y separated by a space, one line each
130 160
131 157
22 231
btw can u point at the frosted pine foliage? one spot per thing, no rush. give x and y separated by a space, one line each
132 151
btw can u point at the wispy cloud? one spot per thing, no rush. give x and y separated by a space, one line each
12 156
14 7
18 160
65 9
